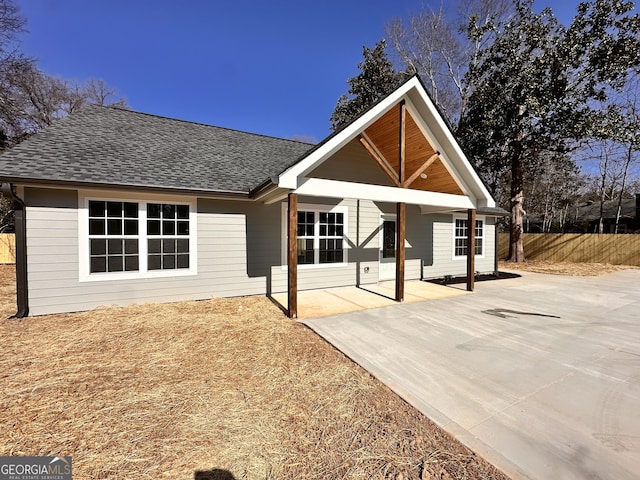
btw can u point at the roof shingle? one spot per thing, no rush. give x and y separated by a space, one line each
114 147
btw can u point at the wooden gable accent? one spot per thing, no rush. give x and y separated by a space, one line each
382 142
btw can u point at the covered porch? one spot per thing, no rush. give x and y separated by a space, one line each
330 301
400 153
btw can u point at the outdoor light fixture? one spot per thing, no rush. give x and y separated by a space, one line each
423 175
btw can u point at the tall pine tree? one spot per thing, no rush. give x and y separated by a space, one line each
377 78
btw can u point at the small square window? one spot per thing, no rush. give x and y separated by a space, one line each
115 264
153 210
168 227
183 228
130 247
96 226
168 261
155 245
131 227
168 211
131 263
98 264
114 226
98 246
154 262
131 210
153 227
114 246
183 261
183 246
182 211
96 209
114 209
168 246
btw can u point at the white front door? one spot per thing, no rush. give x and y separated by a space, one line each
387 269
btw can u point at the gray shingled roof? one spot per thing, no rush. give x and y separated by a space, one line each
109 146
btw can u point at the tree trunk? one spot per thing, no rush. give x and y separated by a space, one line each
516 247
624 184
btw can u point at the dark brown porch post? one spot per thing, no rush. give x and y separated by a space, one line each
292 256
401 207
471 248
400 253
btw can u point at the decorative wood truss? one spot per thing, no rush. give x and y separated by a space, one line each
405 154
403 151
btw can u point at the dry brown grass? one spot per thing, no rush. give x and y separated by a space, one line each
165 391
564 268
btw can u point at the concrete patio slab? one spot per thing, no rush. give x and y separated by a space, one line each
539 374
329 301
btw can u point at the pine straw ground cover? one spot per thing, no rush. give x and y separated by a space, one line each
564 268
167 391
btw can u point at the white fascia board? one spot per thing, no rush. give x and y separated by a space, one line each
426 112
289 178
318 187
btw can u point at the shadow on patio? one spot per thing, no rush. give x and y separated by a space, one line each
328 301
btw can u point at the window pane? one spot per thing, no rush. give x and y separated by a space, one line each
154 245
305 251
114 209
332 230
168 227
339 230
96 227
114 264
183 261
130 246
168 262
154 262
131 227
168 211
339 218
153 227
98 246
114 246
323 217
301 230
182 211
183 246
131 210
131 263
168 246
323 229
98 264
96 209
310 217
183 228
114 226
302 216
153 210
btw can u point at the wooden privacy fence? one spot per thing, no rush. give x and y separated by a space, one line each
623 249
7 248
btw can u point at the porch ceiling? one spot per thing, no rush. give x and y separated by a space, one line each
384 134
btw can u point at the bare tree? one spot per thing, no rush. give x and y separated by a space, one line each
98 92
432 44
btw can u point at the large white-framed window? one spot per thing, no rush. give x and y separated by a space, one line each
136 236
321 232
460 232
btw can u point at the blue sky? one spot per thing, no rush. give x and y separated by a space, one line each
271 67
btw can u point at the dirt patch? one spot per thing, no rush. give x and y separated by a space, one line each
182 390
565 268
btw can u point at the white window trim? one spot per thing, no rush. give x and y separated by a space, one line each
141 199
316 240
453 238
